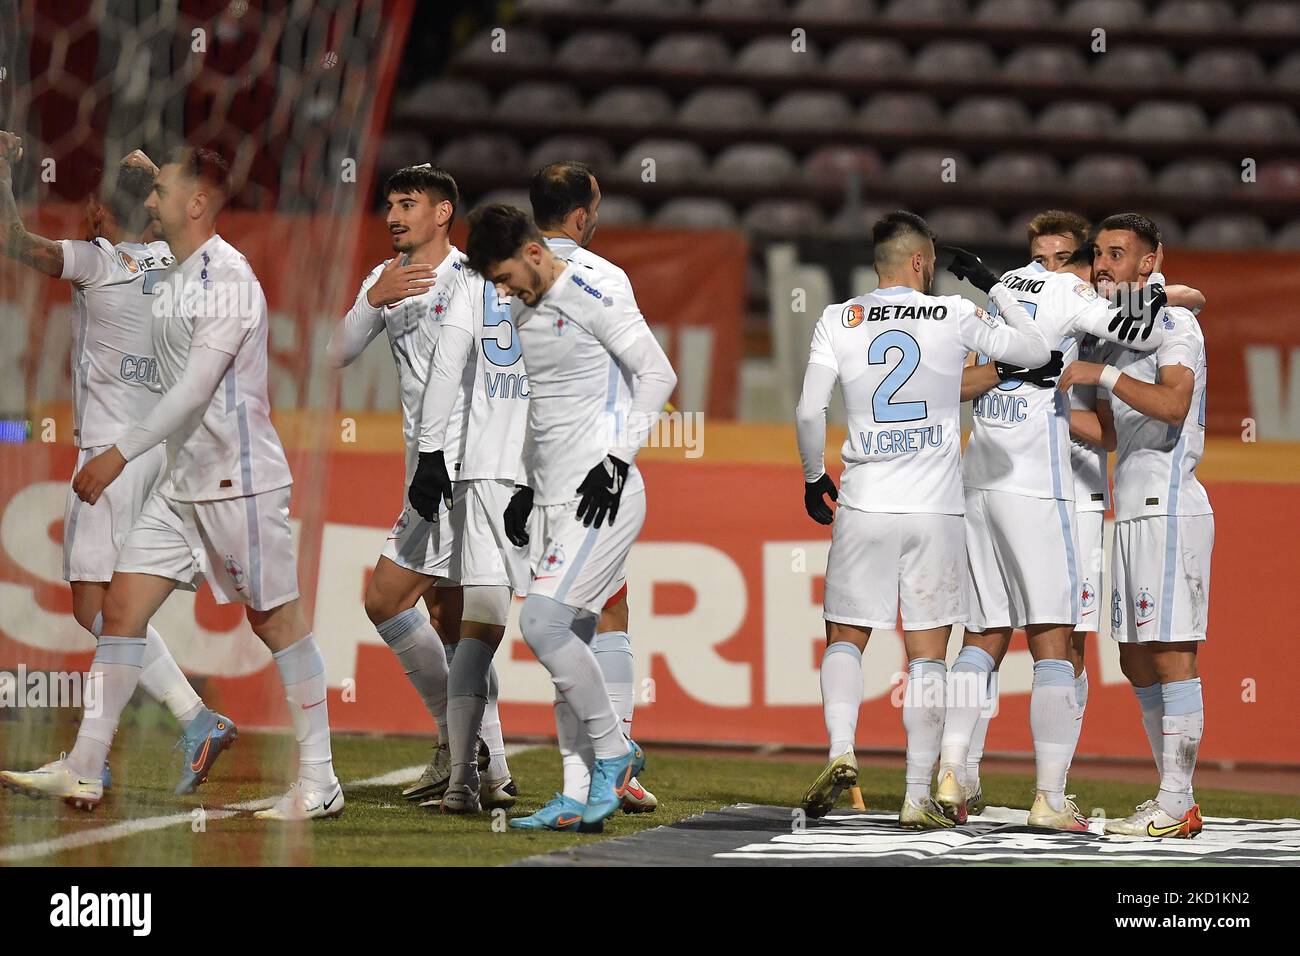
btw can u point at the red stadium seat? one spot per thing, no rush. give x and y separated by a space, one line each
1110 14
1016 12
776 56
1019 170
900 112
677 163
538 101
1210 178
691 213
783 217
1194 15
754 164
811 109
631 105
836 165
868 59
689 53
1228 232
1165 121
599 48
962 225
592 150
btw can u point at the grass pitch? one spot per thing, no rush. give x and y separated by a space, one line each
378 828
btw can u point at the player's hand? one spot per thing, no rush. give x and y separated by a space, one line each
601 491
137 157
1043 377
814 502
516 516
11 147
1080 373
398 282
968 266
98 474
430 483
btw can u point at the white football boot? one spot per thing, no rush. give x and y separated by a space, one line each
499 793
1151 820
637 799
1067 818
951 796
306 802
56 779
922 815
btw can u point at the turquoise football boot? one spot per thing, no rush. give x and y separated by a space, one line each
562 813
207 736
609 779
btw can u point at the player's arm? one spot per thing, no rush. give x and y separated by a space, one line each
1167 399
1094 427
358 328
810 431
43 255
1018 342
978 379
204 369
1128 318
1185 297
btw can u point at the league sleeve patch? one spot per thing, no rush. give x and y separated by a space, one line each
1085 291
984 317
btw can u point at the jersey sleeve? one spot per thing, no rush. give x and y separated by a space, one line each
359 327
221 319
822 350
1180 345
1020 343
85 263
1091 314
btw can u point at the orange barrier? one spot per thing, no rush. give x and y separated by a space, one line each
725 591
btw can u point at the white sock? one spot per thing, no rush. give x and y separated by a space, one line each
966 694
490 730
1182 727
1153 714
302 671
165 682
923 712
110 682
420 652
977 738
613 652
841 694
1051 720
1080 706
467 694
575 751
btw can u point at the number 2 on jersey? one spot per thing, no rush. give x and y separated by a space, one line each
495 312
883 406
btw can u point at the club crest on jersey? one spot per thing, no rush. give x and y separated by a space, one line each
235 571
1088 597
131 265
1116 609
553 559
1144 606
1166 321
440 303
560 324
852 316
402 521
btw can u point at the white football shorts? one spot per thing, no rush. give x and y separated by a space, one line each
583 567
424 547
482 553
94 534
1090 526
1160 565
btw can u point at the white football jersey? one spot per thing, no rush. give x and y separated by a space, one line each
413 325
494 386
579 395
1089 462
899 356
1020 437
231 449
1155 463
114 373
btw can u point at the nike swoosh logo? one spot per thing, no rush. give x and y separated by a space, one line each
1163 831
1147 621
636 793
197 764
317 704
613 488
622 787
543 577
337 794
563 821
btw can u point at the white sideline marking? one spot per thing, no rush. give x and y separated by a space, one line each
119 831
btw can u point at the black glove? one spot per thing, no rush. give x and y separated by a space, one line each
1138 308
813 501
516 515
430 483
1044 376
601 491
968 266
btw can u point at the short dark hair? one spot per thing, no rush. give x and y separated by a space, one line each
125 197
1135 223
428 179
897 225
206 165
497 232
1059 222
558 189
1082 256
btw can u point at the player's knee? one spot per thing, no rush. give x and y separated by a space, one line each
486 604
117 613
87 617
380 607
545 624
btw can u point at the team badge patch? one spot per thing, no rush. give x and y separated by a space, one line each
985 318
440 303
1087 597
1116 610
131 265
403 520
1167 321
553 560
235 571
1144 607
561 325
852 316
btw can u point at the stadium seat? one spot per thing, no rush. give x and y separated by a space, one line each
1078 118
868 59
640 105
1278 178
1288 237
1171 231
523 45
783 217
620 211
1193 15
403 148
832 10
654 6
1016 12
689 53
928 11
687 213
592 150
924 167
754 164
536 100
776 56
1141 65
510 197
811 109
1228 232
1040 63
749 8
989 114
541 5
1106 173
1019 170
1198 177
1287 72
955 60
482 155
835 165
903 112
1224 69
1273 16
599 48
858 220
963 225
725 107
1257 121
1109 14
1164 121
677 163
1016 231
445 97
